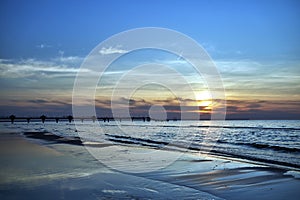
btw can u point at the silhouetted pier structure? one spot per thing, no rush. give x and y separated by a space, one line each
70 118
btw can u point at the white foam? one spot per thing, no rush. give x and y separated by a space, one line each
295 174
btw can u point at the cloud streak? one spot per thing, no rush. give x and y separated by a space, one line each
32 67
112 50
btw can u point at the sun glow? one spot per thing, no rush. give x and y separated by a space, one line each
203 99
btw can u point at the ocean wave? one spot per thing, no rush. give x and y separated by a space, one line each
209 126
133 140
205 148
264 146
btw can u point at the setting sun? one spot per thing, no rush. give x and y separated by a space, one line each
203 98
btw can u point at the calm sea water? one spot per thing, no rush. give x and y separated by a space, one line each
269 141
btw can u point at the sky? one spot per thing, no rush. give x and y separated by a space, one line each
255 46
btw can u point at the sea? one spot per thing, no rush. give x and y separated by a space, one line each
275 142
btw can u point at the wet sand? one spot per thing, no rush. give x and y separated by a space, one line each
48 167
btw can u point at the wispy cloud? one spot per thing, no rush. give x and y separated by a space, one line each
112 50
33 67
42 46
250 79
69 60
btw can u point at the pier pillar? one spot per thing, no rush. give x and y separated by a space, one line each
43 118
12 118
94 118
70 118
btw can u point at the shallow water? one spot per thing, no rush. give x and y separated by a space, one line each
271 141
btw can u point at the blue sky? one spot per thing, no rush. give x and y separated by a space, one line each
255 29
255 45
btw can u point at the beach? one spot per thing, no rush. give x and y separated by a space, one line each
63 171
139 100
50 167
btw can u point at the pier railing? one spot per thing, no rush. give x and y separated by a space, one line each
69 118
